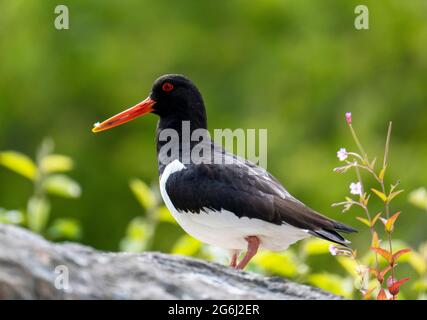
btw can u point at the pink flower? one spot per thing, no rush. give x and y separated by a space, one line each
333 250
348 117
340 251
390 281
342 154
356 188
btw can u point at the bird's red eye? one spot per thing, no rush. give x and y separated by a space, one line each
167 86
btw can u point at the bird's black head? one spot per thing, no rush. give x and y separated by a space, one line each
173 97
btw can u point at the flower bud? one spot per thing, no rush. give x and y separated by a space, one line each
348 117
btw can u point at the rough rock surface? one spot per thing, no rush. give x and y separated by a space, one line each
33 268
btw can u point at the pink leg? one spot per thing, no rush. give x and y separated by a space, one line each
233 260
234 255
253 244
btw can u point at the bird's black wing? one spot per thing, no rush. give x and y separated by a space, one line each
247 191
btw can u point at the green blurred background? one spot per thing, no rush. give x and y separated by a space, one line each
293 67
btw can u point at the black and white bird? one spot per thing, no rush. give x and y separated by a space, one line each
231 203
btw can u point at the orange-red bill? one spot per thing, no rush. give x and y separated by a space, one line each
125 116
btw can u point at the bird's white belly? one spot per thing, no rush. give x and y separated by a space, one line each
224 229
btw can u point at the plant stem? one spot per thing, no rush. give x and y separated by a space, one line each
356 139
387 144
368 215
387 210
369 169
387 203
385 163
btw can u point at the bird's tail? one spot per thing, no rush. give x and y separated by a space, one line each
299 215
331 234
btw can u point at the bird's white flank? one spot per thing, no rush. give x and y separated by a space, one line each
224 228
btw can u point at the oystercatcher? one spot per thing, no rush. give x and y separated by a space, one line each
231 203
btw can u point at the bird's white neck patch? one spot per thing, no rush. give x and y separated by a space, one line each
172 167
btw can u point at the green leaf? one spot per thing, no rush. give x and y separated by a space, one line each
389 225
143 194
138 228
348 199
372 165
350 265
375 240
282 264
62 185
164 215
394 186
132 245
384 253
56 163
377 216
11 216
330 282
420 285
417 262
19 163
400 253
382 295
394 194
137 235
418 197
381 195
365 198
365 221
315 246
65 229
187 246
37 214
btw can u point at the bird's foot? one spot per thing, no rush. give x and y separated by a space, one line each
233 262
253 245
234 254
